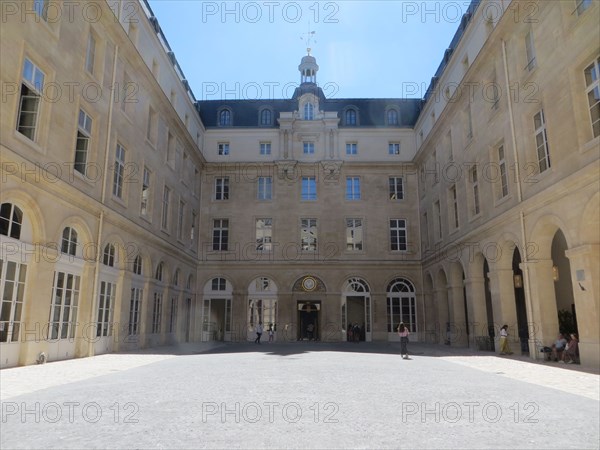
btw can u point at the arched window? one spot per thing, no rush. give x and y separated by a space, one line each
219 284
392 117
11 219
356 285
266 117
69 241
350 117
401 305
225 118
309 111
189 283
108 258
159 272
137 265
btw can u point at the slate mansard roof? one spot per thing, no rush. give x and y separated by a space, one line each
369 112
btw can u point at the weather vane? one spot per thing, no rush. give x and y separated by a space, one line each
308 37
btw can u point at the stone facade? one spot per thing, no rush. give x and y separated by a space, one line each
134 215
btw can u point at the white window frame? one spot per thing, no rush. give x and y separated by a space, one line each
354 234
119 175
264 188
222 188
264 234
82 144
308 234
397 228
396 189
541 135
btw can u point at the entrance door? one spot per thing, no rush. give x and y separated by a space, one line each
216 320
308 320
356 310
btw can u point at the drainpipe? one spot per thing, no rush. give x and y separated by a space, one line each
527 286
91 339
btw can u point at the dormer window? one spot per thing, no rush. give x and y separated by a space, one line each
225 118
309 111
266 117
350 118
392 117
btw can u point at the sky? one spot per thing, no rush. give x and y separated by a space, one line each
364 49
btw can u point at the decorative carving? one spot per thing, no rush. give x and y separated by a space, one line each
331 171
309 283
286 170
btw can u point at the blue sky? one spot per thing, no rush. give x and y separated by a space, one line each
365 49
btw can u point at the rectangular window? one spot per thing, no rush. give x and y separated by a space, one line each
64 305
135 308
29 100
582 5
106 303
592 84
41 8
503 172
438 219
180 220
396 188
541 141
152 125
469 123
308 234
193 229
220 234
171 144
398 234
309 188
173 318
165 208
84 132
402 309
454 206
475 190
351 148
90 54
265 188
12 289
119 171
264 234
530 51
309 148
449 145
354 234
265 148
394 148
222 188
145 192
223 148
352 188
156 313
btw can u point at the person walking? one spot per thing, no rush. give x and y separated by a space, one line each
259 332
504 345
403 333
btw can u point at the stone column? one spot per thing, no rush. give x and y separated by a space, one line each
458 320
441 300
475 287
286 316
504 307
544 314
585 267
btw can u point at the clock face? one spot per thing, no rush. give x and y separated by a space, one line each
309 283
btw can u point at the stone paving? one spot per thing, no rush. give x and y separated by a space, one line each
300 395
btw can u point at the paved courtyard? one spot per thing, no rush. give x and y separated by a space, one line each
299 395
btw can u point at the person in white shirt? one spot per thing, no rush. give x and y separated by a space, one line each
403 333
259 332
504 346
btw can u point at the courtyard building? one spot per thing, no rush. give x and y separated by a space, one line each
133 215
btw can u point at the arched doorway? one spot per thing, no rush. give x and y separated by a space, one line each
401 307
309 292
262 307
216 310
356 306
522 323
491 333
563 285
